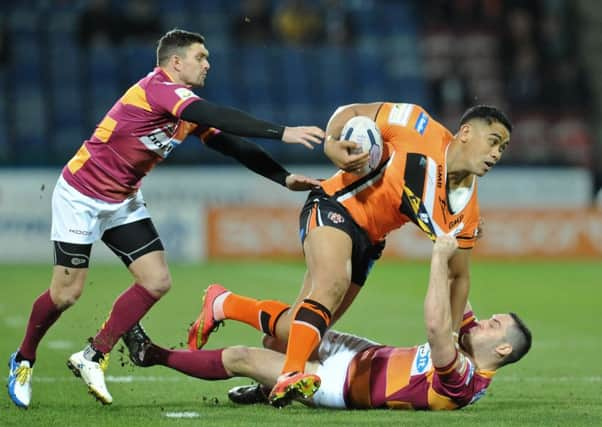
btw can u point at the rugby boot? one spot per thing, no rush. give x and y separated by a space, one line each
291 386
137 342
92 373
19 381
206 323
249 394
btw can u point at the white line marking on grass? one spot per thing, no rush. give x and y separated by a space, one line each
120 379
60 344
182 414
16 321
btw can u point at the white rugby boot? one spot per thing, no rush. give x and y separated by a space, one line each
92 373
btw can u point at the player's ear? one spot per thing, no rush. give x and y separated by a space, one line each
503 350
176 62
464 132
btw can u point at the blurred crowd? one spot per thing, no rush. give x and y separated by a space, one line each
522 55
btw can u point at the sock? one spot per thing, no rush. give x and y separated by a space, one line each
128 309
309 325
43 314
259 314
204 364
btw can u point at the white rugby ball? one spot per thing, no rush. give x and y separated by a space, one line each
364 131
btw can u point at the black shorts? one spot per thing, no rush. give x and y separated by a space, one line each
128 241
322 210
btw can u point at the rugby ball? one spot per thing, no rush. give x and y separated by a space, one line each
364 131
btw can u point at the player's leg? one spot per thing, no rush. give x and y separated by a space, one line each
73 220
203 364
130 234
140 248
219 304
279 341
66 286
328 257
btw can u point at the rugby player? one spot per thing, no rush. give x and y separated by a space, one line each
447 372
427 176
97 197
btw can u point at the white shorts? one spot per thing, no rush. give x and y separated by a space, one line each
77 218
336 351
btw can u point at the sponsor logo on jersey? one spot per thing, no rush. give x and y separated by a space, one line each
456 221
400 114
335 218
439 176
185 93
422 361
160 141
82 232
421 123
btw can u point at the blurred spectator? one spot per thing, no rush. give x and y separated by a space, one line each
254 24
298 23
99 24
141 22
566 87
449 93
524 81
338 23
4 44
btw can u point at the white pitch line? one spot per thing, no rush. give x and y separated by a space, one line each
181 414
59 344
16 321
119 379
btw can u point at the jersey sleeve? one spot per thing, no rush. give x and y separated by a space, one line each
402 119
454 379
171 98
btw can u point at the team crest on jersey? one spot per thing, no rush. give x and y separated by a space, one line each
184 93
421 123
336 218
422 361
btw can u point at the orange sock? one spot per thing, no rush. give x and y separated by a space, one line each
260 314
309 325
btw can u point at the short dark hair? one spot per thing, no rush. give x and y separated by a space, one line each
520 338
174 40
486 112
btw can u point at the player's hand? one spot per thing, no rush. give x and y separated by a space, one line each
296 182
445 245
306 135
339 153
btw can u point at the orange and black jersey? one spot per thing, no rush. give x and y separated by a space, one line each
410 184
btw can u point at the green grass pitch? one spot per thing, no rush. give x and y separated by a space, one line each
558 384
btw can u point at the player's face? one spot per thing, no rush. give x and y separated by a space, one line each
492 330
195 65
486 144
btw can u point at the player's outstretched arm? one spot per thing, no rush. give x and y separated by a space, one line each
339 151
259 161
240 123
459 276
437 303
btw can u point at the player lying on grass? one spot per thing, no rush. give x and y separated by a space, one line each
352 372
